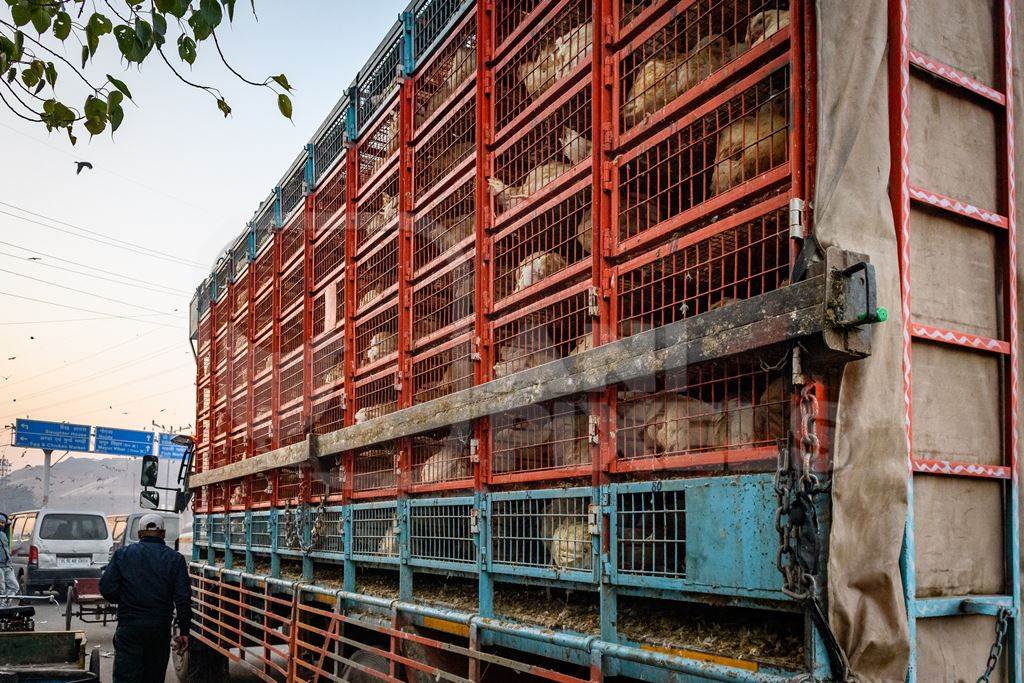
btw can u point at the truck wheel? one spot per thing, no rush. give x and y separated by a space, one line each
67 611
25 588
205 665
94 662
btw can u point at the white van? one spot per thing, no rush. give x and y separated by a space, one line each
52 547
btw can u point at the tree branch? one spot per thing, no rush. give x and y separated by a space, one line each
264 84
57 55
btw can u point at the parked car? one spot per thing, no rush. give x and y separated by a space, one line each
52 547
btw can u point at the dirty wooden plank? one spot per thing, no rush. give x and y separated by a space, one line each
792 312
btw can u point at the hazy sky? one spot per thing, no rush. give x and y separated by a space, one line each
177 178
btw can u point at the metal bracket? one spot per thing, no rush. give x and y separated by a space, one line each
796 218
592 429
594 519
474 450
593 301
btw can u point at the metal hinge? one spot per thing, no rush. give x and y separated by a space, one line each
398 380
796 218
344 403
593 302
474 450
592 430
474 521
606 176
594 519
476 354
607 74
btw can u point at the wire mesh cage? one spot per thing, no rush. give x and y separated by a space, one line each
290 383
290 483
378 80
263 272
442 533
238 444
379 146
443 300
743 256
328 363
432 20
377 211
551 329
330 201
202 299
328 412
218 501
687 49
218 524
221 380
377 273
444 225
448 147
542 441
204 395
221 422
291 333
261 492
375 395
292 240
329 142
241 291
649 531
292 427
259 531
446 74
375 532
376 336
331 539
201 535
262 395
443 370
327 479
236 532
552 244
263 314
219 452
328 257
559 48
264 223
240 408
707 160
710 416
224 276
547 150
374 470
262 435
442 459
552 530
328 314
293 186
263 356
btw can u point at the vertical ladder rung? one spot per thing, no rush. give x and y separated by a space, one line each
954 468
957 338
961 208
956 77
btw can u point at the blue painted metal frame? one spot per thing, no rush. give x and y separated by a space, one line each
468 566
444 34
395 35
370 559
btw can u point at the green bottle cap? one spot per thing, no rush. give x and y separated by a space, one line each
881 314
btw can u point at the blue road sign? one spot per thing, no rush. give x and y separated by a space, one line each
168 450
129 442
57 436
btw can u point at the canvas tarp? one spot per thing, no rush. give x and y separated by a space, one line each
954 149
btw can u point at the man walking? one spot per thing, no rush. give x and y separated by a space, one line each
8 579
149 582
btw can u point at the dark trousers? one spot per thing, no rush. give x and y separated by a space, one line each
141 652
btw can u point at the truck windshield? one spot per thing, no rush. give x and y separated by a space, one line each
72 527
170 524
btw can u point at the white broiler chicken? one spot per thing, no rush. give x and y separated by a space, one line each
368 296
734 425
585 231
536 267
676 423
538 73
764 25
570 545
770 414
447 464
507 197
369 413
576 146
389 541
518 354
572 48
388 210
381 345
570 439
750 146
708 56
586 343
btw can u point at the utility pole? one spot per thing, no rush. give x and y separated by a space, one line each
46 476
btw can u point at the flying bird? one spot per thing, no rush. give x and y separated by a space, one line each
34 258
79 165
12 358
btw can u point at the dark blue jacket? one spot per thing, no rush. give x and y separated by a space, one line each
149 582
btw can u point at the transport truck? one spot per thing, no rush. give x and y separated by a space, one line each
626 340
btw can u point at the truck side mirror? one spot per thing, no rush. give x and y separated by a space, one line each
149 500
150 470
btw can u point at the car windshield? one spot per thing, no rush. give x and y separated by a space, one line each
72 527
170 524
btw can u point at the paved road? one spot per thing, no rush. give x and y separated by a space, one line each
50 618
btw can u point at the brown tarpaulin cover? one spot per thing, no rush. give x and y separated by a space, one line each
954 150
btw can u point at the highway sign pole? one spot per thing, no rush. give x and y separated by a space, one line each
47 453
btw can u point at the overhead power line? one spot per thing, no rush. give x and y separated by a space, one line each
88 310
85 293
94 268
123 283
78 320
97 237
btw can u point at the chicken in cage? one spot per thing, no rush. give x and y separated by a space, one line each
663 78
575 145
537 267
571 432
447 231
388 544
750 146
367 413
382 344
566 532
522 443
763 25
507 197
522 353
379 220
369 296
555 59
671 423
334 373
237 496
446 461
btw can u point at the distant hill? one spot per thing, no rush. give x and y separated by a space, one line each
107 486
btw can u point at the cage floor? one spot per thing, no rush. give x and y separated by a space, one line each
377 582
551 608
454 592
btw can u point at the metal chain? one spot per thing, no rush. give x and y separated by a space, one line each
996 651
294 521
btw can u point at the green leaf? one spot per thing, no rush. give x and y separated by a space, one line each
181 9
282 81
62 26
159 25
223 106
30 76
120 86
21 14
98 25
284 103
116 117
19 46
133 48
12 73
41 19
95 107
71 137
144 30
210 9
187 49
201 29
230 5
51 74
167 6
114 100
95 125
85 55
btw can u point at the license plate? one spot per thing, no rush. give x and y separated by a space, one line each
72 561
